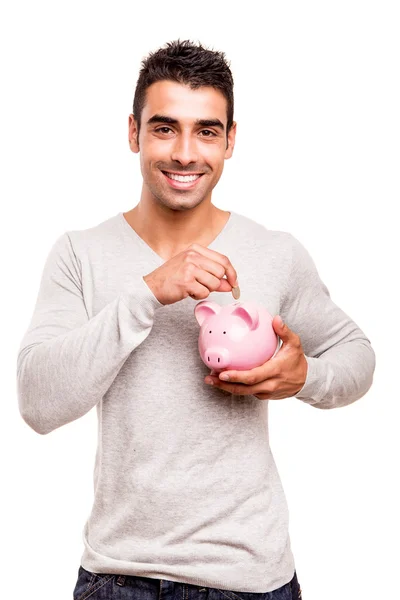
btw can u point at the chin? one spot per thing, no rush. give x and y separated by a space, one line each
181 203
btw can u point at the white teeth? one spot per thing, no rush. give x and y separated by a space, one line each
182 178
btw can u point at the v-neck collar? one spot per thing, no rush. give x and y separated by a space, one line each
133 234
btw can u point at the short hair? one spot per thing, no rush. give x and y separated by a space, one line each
186 63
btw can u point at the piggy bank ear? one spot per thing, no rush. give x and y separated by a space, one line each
248 313
205 309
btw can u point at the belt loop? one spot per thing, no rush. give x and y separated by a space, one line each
121 580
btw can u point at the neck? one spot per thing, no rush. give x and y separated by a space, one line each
169 231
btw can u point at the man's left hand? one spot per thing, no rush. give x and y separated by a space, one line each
280 377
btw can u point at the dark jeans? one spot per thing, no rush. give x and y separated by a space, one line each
99 586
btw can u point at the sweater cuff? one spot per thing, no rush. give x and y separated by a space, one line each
318 380
141 301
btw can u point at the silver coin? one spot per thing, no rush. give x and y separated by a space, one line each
236 292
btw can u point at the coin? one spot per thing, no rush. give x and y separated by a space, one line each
236 292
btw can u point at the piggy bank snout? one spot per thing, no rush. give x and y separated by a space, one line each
216 357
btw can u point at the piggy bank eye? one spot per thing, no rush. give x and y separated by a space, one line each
209 332
224 332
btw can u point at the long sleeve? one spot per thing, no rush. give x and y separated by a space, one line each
341 361
66 361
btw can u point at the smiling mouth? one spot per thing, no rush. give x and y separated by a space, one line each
182 181
183 177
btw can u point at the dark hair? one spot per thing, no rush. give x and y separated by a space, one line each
184 62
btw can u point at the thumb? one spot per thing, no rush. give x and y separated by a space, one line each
281 328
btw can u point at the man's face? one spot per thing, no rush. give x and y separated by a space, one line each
182 131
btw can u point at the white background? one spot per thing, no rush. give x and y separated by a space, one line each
317 154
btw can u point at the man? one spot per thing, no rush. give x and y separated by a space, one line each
187 495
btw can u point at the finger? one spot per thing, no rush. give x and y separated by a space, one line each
281 329
211 282
208 265
240 389
223 260
209 274
232 388
252 376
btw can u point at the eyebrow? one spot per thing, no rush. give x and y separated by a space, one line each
203 122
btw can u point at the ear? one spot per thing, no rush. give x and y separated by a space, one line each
231 141
205 309
248 313
133 134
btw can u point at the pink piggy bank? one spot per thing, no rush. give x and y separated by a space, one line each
238 336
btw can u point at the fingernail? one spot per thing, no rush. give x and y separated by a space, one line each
224 376
209 381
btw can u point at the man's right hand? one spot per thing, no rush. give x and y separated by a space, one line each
195 272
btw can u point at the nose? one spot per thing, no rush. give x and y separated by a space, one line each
185 150
217 358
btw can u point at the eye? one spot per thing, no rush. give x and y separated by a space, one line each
209 131
209 332
224 332
160 128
